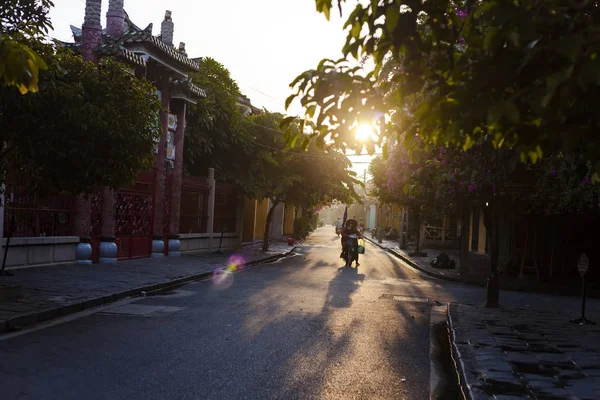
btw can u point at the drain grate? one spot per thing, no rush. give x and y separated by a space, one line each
411 299
407 299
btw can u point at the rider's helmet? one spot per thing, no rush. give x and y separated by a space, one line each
351 223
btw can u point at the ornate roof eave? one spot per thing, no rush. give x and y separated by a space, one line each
184 96
145 38
187 90
71 46
114 49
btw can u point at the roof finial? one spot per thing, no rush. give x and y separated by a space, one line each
167 28
182 48
115 18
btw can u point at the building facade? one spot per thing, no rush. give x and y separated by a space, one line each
146 219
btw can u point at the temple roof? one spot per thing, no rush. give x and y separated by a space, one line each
136 35
145 37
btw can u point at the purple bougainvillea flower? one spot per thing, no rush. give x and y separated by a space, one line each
553 172
411 197
587 180
461 13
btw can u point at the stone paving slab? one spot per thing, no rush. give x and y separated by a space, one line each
49 292
525 353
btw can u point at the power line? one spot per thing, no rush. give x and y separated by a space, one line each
297 153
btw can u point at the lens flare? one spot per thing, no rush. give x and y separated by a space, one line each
222 278
236 262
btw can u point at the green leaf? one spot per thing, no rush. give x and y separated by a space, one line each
286 122
324 6
392 16
468 143
289 100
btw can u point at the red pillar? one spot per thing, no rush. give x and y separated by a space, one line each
91 38
177 172
160 164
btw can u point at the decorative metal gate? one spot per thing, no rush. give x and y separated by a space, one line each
134 217
194 205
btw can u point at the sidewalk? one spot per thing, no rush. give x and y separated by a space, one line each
479 268
50 292
516 353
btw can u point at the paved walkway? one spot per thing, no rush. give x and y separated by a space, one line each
49 292
479 267
516 353
478 264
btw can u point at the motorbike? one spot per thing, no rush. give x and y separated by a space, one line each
338 230
351 249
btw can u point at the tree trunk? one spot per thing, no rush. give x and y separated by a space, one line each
418 228
464 238
265 247
492 224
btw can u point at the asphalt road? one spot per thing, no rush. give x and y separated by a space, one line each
300 328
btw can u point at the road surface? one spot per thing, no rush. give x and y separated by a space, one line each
299 328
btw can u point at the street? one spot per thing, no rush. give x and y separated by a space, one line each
298 328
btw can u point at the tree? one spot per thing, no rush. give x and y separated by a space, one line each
495 69
471 72
294 177
214 129
21 20
88 126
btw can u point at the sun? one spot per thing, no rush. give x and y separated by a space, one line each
364 132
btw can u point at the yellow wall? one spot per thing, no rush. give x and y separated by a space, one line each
249 223
470 230
262 209
288 221
482 234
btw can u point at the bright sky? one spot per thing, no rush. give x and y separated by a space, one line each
265 44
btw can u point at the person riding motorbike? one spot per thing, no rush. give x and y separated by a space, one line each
339 226
351 228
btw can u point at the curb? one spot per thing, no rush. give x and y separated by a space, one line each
457 358
20 321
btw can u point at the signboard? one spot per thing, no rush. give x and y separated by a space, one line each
583 264
172 122
172 125
158 94
170 145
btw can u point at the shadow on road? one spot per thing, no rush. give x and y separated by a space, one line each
292 330
341 288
